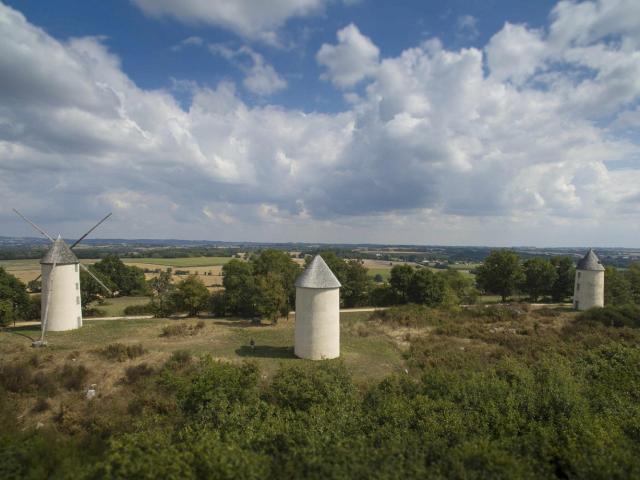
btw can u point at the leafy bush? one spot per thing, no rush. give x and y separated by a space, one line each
180 358
73 377
42 405
121 352
134 373
182 329
16 377
612 316
94 312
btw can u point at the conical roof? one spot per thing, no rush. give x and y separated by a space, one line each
590 262
60 254
317 275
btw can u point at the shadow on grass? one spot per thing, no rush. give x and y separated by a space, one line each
265 351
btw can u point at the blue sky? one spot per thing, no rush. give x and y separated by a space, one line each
144 44
450 122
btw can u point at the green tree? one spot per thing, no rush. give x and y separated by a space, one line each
539 277
633 274
565 279
239 288
426 288
462 286
271 299
128 280
90 290
14 298
191 295
400 281
500 274
162 289
617 288
280 263
353 276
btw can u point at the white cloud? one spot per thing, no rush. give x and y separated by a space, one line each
433 150
260 77
515 53
467 26
351 60
254 19
189 41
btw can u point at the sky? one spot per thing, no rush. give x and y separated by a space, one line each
476 122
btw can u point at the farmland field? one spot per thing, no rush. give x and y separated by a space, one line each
207 268
181 262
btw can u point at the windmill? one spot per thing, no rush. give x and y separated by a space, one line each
61 306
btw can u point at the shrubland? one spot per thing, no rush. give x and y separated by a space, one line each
486 392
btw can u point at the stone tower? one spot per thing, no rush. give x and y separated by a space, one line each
317 331
588 290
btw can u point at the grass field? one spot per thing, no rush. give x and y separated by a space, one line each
367 354
385 272
114 307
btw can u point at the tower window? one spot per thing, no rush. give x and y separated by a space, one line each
578 274
77 300
77 286
578 287
76 267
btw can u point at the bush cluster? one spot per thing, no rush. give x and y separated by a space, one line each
121 352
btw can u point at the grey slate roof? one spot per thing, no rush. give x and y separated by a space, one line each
590 262
60 254
317 275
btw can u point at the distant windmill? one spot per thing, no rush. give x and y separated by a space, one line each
61 306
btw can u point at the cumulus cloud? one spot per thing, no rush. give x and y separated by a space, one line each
254 19
433 150
354 57
515 53
260 77
467 27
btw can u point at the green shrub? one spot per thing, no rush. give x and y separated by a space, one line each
612 316
122 352
73 377
135 373
16 377
180 358
182 329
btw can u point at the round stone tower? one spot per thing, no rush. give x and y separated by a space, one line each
61 288
588 289
317 331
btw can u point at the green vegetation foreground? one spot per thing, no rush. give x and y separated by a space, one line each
495 392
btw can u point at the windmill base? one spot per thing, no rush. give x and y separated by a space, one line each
39 343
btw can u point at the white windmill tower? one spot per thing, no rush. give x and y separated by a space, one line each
588 290
60 272
317 331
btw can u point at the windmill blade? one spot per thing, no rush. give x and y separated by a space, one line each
33 225
45 314
91 230
96 279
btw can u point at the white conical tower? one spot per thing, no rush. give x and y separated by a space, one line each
588 289
317 332
61 288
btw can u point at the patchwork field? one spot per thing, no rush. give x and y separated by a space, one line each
207 268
